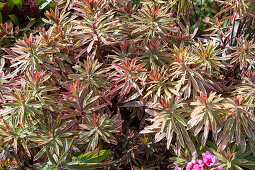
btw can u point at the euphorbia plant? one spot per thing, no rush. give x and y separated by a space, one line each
97 70
79 101
206 114
168 121
129 75
153 21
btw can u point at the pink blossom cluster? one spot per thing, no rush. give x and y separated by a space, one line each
207 162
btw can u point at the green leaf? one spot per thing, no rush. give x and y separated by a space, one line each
51 5
94 157
2 5
63 156
50 157
14 19
44 4
24 29
10 3
1 20
18 3
40 153
48 166
80 165
248 164
39 2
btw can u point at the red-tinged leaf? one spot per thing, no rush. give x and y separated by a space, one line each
169 135
159 136
133 62
134 104
151 112
128 88
199 127
146 131
107 100
68 116
251 14
137 88
115 89
117 67
133 97
178 132
243 145
39 154
90 46
141 65
223 19
10 52
97 107
206 132
223 143
189 142
196 29
224 10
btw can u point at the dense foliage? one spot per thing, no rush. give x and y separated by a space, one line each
133 84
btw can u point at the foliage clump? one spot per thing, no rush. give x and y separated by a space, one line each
134 84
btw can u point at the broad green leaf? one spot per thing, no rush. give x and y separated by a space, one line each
79 165
10 3
14 19
2 5
18 3
94 157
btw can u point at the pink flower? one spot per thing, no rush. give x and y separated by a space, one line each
177 168
201 162
218 168
194 161
189 166
197 167
215 159
209 160
206 154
